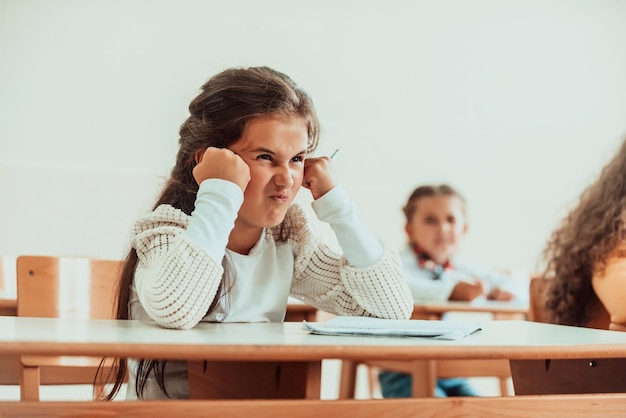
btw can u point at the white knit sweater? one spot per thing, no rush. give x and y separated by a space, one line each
180 268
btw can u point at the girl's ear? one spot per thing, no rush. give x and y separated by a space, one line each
408 229
465 227
199 154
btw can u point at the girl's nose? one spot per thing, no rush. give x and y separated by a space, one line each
444 227
283 178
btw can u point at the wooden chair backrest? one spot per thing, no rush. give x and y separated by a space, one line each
67 287
539 288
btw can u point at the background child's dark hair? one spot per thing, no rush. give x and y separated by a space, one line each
428 191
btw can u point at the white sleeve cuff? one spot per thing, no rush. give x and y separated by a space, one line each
217 204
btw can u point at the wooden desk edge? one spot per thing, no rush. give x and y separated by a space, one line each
311 353
553 406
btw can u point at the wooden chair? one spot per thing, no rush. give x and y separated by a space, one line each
64 287
538 292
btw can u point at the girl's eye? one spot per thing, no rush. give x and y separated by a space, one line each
264 157
298 159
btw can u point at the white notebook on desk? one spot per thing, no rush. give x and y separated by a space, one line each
360 325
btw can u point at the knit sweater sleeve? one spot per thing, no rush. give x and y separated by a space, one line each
324 279
179 266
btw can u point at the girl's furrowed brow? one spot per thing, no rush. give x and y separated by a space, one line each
263 150
271 152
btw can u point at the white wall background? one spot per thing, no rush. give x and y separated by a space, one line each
516 103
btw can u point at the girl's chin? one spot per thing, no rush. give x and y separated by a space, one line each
275 220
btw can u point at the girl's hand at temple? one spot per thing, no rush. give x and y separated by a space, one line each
319 176
221 163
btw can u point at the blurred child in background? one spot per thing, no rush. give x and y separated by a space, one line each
435 226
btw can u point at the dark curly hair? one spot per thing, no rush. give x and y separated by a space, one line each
580 245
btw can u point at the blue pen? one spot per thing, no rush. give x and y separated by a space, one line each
334 154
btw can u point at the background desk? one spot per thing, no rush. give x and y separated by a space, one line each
8 302
498 309
287 342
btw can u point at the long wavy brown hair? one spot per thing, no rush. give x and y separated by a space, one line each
582 242
218 117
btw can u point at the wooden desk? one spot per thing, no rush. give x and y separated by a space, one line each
287 342
9 364
498 309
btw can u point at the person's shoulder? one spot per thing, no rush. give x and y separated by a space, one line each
295 216
411 267
294 223
407 256
162 215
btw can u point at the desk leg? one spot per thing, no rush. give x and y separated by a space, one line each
423 377
254 380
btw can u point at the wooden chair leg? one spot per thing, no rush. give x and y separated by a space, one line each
29 383
504 386
423 378
347 380
375 391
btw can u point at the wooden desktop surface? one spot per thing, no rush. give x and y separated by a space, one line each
9 364
288 342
